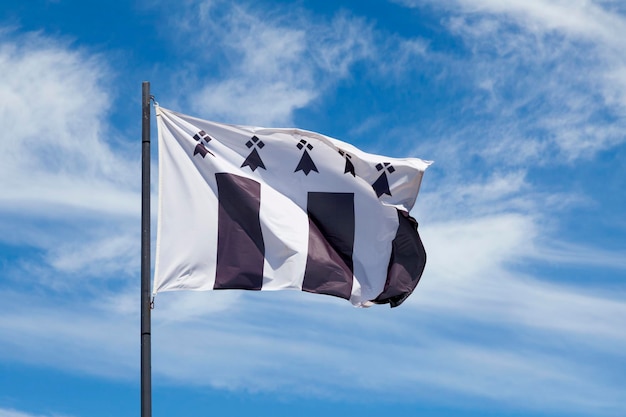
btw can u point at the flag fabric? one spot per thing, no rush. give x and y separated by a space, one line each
255 208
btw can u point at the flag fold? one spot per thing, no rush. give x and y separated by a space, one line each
253 208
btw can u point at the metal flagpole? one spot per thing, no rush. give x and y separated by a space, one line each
146 366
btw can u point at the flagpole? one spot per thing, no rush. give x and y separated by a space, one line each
146 366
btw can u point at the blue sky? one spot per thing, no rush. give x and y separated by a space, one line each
522 106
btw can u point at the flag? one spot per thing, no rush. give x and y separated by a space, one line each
253 208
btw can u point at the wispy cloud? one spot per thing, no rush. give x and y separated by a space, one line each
8 412
277 61
477 268
64 184
74 333
54 111
546 73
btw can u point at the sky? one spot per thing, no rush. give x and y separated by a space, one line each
521 309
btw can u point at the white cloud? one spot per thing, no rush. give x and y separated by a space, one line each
105 256
599 20
548 73
55 154
65 188
8 412
575 254
277 62
70 333
586 19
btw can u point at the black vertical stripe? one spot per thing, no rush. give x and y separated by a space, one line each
329 265
240 247
408 259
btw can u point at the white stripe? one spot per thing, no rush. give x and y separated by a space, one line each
285 234
187 228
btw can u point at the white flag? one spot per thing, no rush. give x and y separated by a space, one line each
253 208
